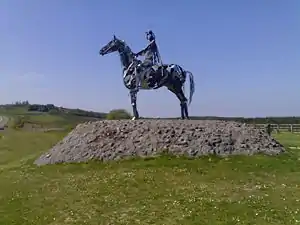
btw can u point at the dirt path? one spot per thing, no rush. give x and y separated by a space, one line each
3 121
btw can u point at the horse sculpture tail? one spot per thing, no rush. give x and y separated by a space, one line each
192 86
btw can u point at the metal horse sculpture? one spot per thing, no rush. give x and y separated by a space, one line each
171 76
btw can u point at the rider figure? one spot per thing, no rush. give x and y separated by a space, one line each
151 53
152 57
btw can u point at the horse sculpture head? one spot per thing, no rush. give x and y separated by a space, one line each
124 50
114 45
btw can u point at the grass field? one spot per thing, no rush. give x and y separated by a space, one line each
240 190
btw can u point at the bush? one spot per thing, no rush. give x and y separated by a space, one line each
118 114
18 122
54 112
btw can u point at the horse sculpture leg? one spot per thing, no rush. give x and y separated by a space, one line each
183 105
176 85
133 96
177 90
185 109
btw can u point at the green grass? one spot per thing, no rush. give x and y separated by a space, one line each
239 190
289 140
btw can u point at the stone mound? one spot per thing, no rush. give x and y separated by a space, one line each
113 140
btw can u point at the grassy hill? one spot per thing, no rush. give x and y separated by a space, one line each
55 117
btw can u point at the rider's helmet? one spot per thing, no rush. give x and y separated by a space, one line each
150 35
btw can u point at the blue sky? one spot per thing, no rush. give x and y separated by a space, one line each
245 55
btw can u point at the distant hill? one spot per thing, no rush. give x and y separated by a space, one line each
25 107
36 116
57 110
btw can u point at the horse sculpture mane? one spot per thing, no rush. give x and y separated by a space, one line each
126 54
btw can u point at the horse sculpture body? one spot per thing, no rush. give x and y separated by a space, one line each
136 78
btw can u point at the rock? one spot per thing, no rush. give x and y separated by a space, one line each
113 140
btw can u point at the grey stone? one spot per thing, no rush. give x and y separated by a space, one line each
114 140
